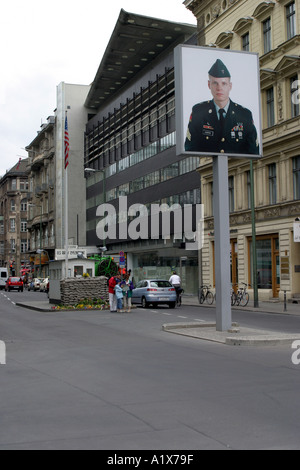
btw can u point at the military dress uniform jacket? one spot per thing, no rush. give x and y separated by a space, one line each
205 132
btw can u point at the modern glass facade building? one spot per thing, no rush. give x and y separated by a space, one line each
130 140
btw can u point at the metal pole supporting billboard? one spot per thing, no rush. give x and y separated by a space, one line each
222 243
254 251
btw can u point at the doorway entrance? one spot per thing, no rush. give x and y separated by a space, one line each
268 263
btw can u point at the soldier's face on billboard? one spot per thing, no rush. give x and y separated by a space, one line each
220 89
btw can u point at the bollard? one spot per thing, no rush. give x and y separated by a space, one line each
285 304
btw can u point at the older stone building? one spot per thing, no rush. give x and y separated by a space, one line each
270 28
41 207
14 239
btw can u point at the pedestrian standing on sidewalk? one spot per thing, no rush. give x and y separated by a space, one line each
119 296
127 292
111 291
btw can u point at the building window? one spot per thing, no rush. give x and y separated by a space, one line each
23 185
152 179
14 185
12 225
212 199
123 164
270 107
23 226
272 184
291 20
23 246
1 228
170 172
246 42
267 35
124 190
248 189
294 82
231 193
12 205
296 177
13 245
111 195
24 205
136 185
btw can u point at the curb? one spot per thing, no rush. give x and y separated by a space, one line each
32 307
233 337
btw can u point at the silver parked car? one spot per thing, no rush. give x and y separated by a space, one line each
155 292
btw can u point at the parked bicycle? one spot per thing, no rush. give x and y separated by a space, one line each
233 297
242 296
206 295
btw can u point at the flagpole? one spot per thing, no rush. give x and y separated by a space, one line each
66 224
66 163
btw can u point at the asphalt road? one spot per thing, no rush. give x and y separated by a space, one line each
91 380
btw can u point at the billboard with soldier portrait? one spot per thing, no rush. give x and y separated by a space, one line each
217 102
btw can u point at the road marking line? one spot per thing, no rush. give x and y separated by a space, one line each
168 314
182 317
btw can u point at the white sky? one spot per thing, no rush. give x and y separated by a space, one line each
45 43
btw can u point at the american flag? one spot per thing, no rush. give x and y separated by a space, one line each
19 164
67 143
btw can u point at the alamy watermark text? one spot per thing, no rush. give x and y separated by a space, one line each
140 222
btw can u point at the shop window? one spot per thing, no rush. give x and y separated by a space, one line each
268 263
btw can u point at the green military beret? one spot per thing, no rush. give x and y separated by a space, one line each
219 70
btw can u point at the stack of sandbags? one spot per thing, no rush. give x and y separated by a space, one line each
75 290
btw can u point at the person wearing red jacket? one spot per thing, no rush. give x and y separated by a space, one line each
111 291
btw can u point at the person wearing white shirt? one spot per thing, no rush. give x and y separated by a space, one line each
176 282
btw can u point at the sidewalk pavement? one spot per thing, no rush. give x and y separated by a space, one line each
273 306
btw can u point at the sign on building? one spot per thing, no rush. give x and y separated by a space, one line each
73 252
